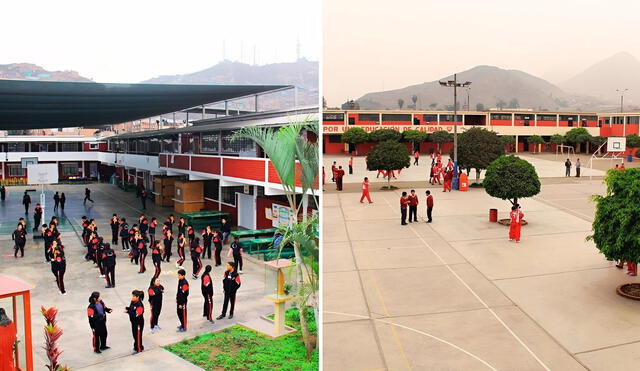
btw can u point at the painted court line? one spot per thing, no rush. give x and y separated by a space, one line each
476 295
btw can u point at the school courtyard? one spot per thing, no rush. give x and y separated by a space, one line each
81 279
455 294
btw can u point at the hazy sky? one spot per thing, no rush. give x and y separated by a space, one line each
374 45
133 40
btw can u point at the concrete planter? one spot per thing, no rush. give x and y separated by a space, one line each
507 222
629 290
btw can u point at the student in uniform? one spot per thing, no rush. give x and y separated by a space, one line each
207 239
136 317
217 243
100 247
403 208
182 242
142 252
167 240
195 258
339 175
230 284
87 196
429 206
235 248
26 201
109 263
206 286
225 228
416 157
144 226
97 313
133 242
58 266
413 206
516 216
168 223
350 165
20 238
191 235
63 200
156 291
37 216
156 258
115 229
3 193
124 234
152 231
182 227
365 191
56 202
181 300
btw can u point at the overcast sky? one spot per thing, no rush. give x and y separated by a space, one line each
374 45
134 40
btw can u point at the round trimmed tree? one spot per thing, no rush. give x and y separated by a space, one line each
477 148
535 140
439 137
511 178
578 136
388 155
382 135
355 136
616 226
414 137
508 140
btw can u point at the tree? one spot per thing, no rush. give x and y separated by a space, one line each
433 105
535 140
557 139
400 102
388 155
616 226
441 136
350 105
355 136
477 148
597 142
479 107
501 104
633 141
511 178
414 99
414 136
382 135
577 136
508 140
513 103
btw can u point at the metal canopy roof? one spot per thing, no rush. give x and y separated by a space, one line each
46 104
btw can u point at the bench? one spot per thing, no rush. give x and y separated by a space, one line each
254 233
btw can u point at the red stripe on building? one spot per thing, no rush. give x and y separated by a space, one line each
206 164
243 168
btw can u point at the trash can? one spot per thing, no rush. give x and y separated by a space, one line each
493 215
464 182
629 158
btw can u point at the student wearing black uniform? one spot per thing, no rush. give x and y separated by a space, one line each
152 231
3 193
20 238
182 227
225 228
84 223
143 198
47 235
156 291
156 258
168 224
181 300
63 200
167 240
144 226
99 252
195 258
206 286
124 234
217 242
182 242
97 313
87 196
207 239
26 201
136 317
142 252
191 236
236 249
37 216
230 284
133 242
58 266
109 263
114 223
56 201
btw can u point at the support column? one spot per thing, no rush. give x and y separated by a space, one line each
517 144
256 103
226 108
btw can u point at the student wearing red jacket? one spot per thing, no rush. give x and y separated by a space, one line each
156 291
182 295
136 317
365 191
206 286
429 206
97 313
516 216
403 208
413 206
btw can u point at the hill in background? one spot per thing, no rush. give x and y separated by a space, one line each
28 71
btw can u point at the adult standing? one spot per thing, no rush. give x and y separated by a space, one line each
515 225
339 175
567 165
365 191
403 208
429 206
578 164
350 165
26 201
97 313
37 216
56 201
413 206
87 196
63 200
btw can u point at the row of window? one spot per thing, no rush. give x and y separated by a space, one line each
68 169
44 147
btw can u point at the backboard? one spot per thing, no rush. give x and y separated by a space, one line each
616 144
42 174
26 161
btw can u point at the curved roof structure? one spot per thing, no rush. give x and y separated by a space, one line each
46 104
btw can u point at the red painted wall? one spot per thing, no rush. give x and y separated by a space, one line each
242 168
205 164
546 123
233 211
332 148
179 162
631 129
163 160
210 205
263 203
501 122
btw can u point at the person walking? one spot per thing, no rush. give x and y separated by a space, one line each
182 242
235 249
429 206
206 286
195 258
136 317
19 236
416 157
350 165
3 193
63 200
143 198
26 201
56 201
230 284
578 165
37 216
109 264
365 191
58 267
515 225
182 296
97 313
156 292
567 165
339 175
413 206
87 196
403 208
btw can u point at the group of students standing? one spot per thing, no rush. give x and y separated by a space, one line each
410 202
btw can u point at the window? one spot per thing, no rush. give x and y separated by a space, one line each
237 146
589 118
16 147
69 146
568 118
333 117
169 145
352 120
633 120
430 118
69 169
369 117
211 189
547 118
93 145
154 146
396 117
335 139
497 116
449 118
229 194
16 170
524 117
617 120
210 143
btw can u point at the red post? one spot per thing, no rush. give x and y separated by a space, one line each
27 329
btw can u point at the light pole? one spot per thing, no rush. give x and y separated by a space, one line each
455 84
621 92
468 103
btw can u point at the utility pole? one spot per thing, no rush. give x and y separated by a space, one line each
455 84
621 92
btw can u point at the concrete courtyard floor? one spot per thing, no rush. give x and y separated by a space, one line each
81 279
457 295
